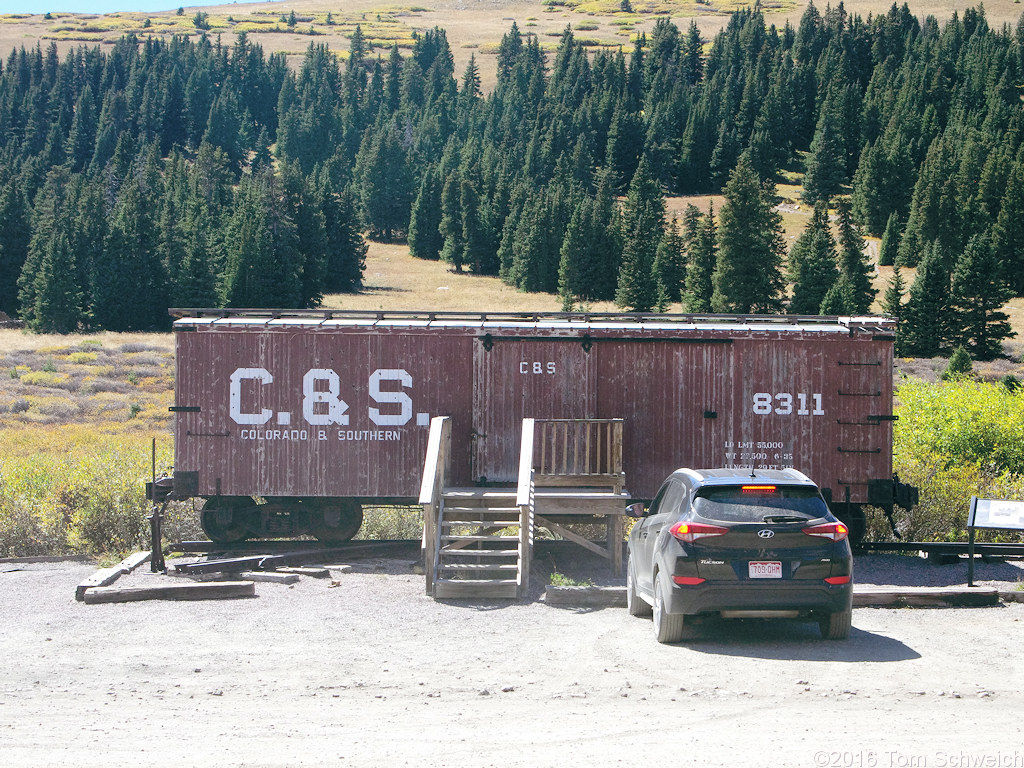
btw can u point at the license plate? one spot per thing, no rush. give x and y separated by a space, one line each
765 569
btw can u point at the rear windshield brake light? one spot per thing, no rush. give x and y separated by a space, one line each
758 489
690 532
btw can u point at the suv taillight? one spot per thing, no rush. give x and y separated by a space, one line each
690 532
833 531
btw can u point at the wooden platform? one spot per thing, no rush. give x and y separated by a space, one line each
478 541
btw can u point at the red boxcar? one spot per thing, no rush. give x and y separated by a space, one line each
317 412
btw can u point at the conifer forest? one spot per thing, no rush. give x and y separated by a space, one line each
202 172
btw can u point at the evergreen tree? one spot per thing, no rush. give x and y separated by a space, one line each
15 234
346 248
129 283
840 299
643 222
385 184
57 299
700 269
748 276
48 219
477 238
892 305
826 164
977 295
82 137
264 267
574 255
853 262
959 366
889 248
670 263
1008 232
925 313
892 302
812 264
425 239
454 249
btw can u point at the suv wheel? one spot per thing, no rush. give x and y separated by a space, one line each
836 626
668 627
635 605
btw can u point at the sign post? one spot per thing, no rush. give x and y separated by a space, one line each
991 514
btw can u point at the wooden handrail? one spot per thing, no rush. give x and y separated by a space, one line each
437 461
523 493
579 448
436 468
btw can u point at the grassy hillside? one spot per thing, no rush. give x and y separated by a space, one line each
78 413
472 27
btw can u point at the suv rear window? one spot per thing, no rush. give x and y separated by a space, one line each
752 504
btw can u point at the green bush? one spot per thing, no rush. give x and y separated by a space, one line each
954 440
959 365
391 523
90 500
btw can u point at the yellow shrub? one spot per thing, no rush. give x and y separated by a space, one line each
75 489
53 350
44 378
79 358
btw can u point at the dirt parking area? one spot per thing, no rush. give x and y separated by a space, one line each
363 669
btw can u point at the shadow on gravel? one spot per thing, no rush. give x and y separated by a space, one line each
793 640
912 571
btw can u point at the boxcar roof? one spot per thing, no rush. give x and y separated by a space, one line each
552 321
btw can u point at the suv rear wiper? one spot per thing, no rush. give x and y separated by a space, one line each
784 519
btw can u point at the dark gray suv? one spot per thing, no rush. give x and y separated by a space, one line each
739 544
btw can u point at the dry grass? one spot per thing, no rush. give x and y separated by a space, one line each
124 379
470 27
394 280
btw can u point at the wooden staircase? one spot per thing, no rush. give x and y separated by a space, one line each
478 542
482 550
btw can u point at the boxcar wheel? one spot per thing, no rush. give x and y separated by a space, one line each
635 605
668 627
338 520
224 518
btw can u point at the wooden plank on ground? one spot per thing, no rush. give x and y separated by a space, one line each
108 576
132 562
269 577
208 591
316 573
923 596
102 578
585 597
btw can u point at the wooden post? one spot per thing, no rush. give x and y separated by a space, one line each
156 559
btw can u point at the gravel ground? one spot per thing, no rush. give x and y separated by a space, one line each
371 672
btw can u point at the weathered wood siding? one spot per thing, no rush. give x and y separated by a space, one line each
341 407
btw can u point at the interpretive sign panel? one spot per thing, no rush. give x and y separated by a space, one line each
997 513
991 513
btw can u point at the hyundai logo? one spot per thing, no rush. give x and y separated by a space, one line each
765 534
